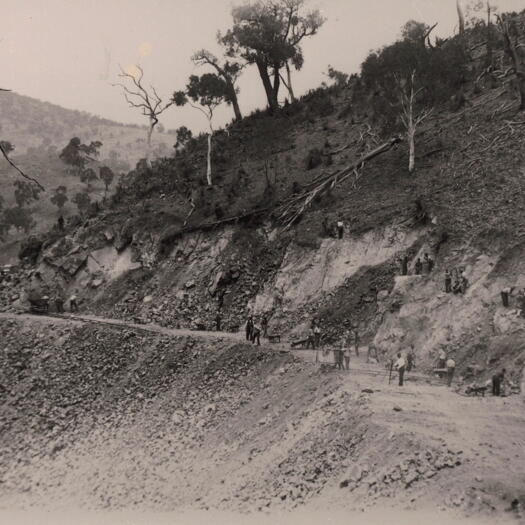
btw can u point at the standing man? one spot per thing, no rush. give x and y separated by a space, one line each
317 335
400 367
264 325
73 306
497 380
418 266
59 298
347 351
340 228
448 281
310 340
249 328
451 368
218 320
256 334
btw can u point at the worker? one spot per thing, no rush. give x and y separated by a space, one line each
317 335
218 320
497 380
400 367
463 281
327 230
59 298
340 228
61 223
451 368
264 325
73 305
249 328
428 263
256 334
418 266
310 340
448 281
338 358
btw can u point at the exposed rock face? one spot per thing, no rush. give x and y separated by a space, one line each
306 274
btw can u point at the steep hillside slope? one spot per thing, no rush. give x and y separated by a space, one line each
464 206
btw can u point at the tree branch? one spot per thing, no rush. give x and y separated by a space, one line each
4 153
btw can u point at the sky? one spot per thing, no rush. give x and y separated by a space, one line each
68 52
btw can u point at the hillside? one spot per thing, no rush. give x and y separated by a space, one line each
171 415
39 131
31 124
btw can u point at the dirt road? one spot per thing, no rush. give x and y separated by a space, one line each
283 434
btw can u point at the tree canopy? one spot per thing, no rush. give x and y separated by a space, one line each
269 34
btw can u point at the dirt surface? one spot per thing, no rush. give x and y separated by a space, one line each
175 421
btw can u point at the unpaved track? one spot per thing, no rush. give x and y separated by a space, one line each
76 318
489 430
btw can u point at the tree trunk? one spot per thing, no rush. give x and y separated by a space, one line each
289 86
276 86
489 37
148 140
234 100
461 17
208 163
411 132
263 72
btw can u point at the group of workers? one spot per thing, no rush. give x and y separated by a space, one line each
313 340
40 291
420 266
455 281
255 329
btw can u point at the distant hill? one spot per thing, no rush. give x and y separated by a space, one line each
31 124
40 130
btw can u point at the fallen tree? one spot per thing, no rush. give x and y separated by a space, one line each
291 210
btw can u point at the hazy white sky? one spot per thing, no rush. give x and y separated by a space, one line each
67 51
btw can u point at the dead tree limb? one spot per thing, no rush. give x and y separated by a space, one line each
138 96
6 157
290 211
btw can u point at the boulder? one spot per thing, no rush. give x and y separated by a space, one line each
382 295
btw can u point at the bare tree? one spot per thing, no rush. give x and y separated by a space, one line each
228 71
512 29
148 101
411 116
